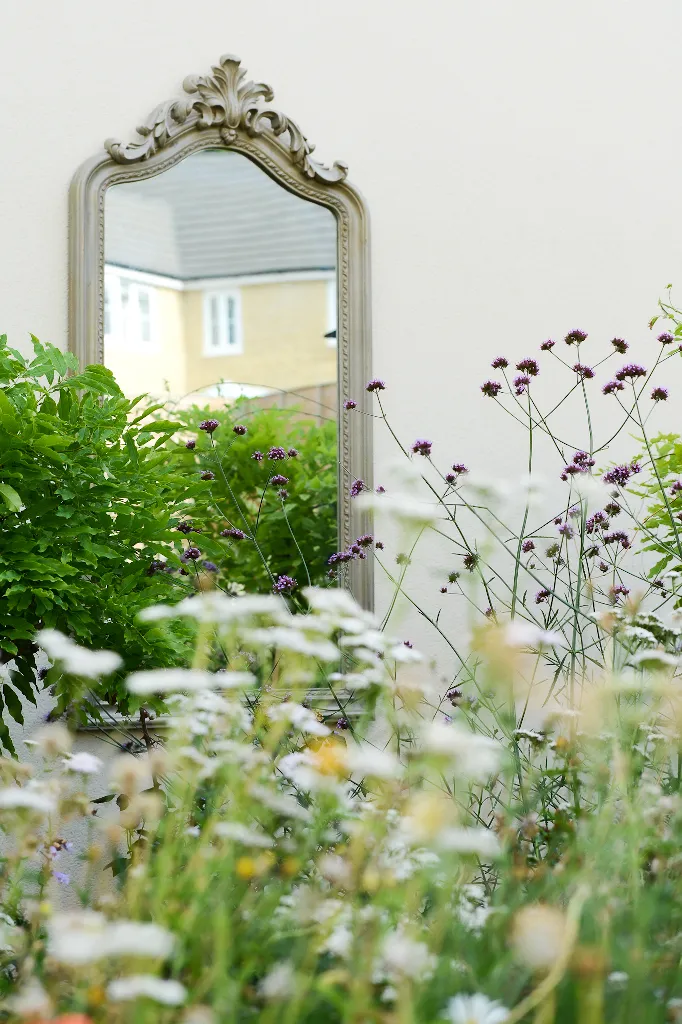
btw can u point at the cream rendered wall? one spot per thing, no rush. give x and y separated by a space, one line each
283 326
519 158
160 366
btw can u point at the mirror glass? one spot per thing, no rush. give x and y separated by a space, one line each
220 301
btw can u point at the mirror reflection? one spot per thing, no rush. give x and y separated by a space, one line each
220 301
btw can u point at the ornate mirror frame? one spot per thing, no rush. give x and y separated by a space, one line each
222 110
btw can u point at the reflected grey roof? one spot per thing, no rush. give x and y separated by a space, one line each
215 214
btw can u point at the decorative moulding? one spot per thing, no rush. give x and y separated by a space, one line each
223 110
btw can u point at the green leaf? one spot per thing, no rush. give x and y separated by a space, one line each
12 499
13 704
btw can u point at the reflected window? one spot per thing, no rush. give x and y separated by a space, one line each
223 324
128 310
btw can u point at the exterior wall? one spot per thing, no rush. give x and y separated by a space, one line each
159 366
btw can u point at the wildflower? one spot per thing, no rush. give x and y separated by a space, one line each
185 526
379 545
278 480
548 345
583 371
190 444
453 577
612 508
454 695
450 478
632 371
553 550
459 468
603 567
277 453
207 475
83 762
542 595
443 590
75 659
659 394
284 585
357 487
566 530
209 566
350 404
421 447
61 877
619 345
471 560
521 383
209 425
30 798
476 1009
375 385
279 983
666 338
239 429
616 592
257 456
365 541
500 363
539 936
191 555
677 486
380 490
528 366
575 337
161 990
491 388
86 936
597 521
342 724
233 533
293 453
612 387
527 546
617 537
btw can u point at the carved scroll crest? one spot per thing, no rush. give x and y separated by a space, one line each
225 101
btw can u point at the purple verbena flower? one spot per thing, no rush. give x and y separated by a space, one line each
283 494
190 555
500 363
575 337
617 537
676 487
207 475
597 521
542 595
528 366
616 592
666 338
233 533
659 394
548 345
566 530
408 643
422 447
603 567
156 565
521 383
583 371
239 429
284 584
209 425
210 566
278 480
379 545
631 371
365 541
190 444
380 489
277 453
62 878
450 478
258 456
350 404
293 453
443 590
376 385
527 546
491 388
185 526
459 467
620 345
618 475
612 387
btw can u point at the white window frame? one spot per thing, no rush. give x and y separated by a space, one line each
230 337
125 320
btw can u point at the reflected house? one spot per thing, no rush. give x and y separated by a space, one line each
218 283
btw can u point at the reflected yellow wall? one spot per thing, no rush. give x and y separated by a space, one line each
159 366
283 323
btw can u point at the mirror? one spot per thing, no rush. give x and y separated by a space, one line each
219 269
